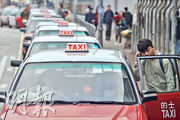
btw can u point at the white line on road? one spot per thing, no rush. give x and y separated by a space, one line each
3 86
2 65
9 69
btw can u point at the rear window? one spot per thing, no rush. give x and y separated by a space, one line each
37 47
56 32
32 26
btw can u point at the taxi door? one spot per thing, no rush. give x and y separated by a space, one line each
160 75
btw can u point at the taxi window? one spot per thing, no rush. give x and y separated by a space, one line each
37 47
56 32
33 24
79 81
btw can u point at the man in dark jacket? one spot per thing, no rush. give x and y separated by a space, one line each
128 17
178 33
60 10
90 18
108 19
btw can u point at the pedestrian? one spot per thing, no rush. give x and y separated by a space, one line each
67 16
60 10
26 12
158 73
87 11
178 33
108 19
120 26
96 17
128 17
91 16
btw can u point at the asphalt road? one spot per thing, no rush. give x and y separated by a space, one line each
9 50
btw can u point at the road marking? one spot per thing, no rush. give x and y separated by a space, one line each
2 65
9 69
20 51
2 86
20 46
12 58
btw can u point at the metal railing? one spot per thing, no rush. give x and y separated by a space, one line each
156 20
90 27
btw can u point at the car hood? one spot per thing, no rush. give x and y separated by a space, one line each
74 112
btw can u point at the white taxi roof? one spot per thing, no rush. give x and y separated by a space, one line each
94 55
86 39
53 24
39 10
70 28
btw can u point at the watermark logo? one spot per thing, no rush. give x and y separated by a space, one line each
41 100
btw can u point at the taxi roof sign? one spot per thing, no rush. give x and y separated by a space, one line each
58 20
66 33
61 23
76 47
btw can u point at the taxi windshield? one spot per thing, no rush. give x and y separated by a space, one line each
78 81
56 32
32 25
37 47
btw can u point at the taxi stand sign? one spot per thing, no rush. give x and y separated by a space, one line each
66 33
76 47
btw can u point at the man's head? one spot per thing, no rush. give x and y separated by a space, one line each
65 13
109 7
145 47
126 8
90 9
60 6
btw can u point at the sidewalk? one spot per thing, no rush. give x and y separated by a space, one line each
111 45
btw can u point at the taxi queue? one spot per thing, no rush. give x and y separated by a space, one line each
86 81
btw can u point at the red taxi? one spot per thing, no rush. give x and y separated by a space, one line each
86 85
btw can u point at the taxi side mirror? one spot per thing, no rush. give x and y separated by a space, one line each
23 30
149 96
28 38
26 45
3 96
16 63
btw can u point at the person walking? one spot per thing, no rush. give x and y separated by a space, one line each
108 19
91 16
96 17
26 12
120 26
128 17
60 10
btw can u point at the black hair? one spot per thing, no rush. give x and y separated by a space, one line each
108 5
126 8
66 12
116 13
177 13
61 5
143 45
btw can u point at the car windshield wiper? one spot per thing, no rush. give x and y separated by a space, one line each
102 102
28 103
